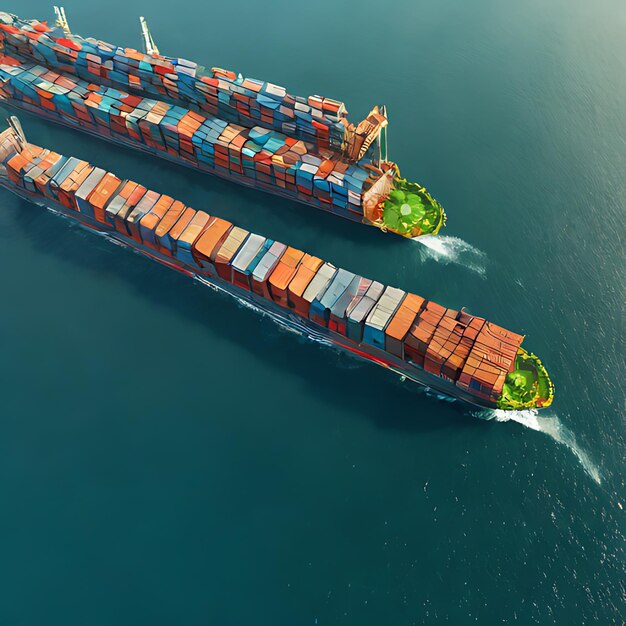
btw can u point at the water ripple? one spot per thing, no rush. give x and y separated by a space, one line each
551 426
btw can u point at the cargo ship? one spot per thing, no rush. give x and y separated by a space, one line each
245 130
453 353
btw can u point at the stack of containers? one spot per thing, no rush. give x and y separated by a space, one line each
85 190
380 316
422 331
177 214
122 206
282 275
309 266
256 157
19 163
263 270
187 238
73 183
324 303
68 180
169 241
231 246
244 262
401 324
150 221
359 309
490 359
207 244
222 93
316 289
134 217
339 312
35 175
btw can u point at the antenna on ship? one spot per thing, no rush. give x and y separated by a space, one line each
382 138
61 20
148 43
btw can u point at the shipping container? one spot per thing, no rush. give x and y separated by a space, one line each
148 200
317 287
320 308
150 221
169 240
227 251
55 182
244 258
72 182
174 213
102 195
380 315
264 268
117 203
339 312
282 275
187 239
358 313
209 242
85 190
401 324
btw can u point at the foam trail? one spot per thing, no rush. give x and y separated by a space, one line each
551 426
445 249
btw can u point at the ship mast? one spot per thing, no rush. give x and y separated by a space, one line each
61 20
382 138
148 43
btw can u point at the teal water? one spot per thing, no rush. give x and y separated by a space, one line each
169 457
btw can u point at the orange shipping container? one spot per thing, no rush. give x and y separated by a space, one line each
170 238
304 275
170 218
283 274
206 246
401 323
151 220
102 195
187 238
44 177
68 187
228 250
118 202
123 204
144 206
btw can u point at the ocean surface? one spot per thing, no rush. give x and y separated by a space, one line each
168 456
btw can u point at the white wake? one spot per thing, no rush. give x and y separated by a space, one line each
445 249
551 426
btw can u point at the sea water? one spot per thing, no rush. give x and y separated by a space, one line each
170 457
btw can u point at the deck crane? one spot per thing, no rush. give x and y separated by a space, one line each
61 20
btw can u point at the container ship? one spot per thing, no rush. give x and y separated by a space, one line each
245 130
451 352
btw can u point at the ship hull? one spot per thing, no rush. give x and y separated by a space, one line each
282 316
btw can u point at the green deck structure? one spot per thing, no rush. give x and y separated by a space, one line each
528 386
411 211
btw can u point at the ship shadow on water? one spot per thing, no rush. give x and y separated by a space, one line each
333 377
